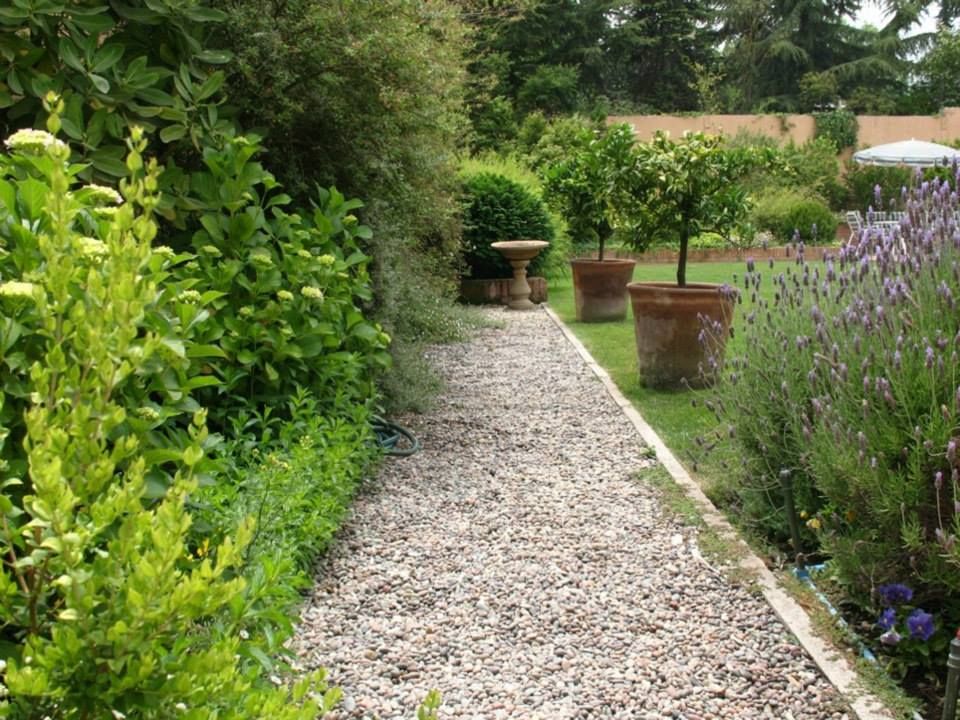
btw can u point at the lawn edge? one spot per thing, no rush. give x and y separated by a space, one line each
831 663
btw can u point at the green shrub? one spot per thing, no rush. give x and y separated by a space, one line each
114 65
107 610
862 180
496 208
295 472
837 126
533 127
784 212
554 262
283 289
561 138
814 167
811 168
494 125
366 96
552 89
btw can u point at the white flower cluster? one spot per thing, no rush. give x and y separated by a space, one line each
284 295
102 195
327 260
34 142
17 289
261 259
314 293
92 247
148 413
190 296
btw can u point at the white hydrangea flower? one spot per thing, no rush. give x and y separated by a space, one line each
314 293
148 414
33 142
261 259
103 195
92 247
17 289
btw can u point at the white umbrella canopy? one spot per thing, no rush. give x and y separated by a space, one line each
916 153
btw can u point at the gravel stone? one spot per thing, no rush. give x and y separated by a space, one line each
516 565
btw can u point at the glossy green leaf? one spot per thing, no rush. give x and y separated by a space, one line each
33 197
172 133
210 86
100 83
107 57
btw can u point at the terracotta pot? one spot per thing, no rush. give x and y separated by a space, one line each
666 321
600 288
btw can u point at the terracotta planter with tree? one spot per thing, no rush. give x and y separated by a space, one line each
589 190
685 188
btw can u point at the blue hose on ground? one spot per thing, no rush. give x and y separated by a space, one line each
803 575
395 439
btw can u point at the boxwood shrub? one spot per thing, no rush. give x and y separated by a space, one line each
497 208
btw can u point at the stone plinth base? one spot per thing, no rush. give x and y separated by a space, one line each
497 290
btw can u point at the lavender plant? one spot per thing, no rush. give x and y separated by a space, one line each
848 384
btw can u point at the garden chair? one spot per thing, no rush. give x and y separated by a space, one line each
854 221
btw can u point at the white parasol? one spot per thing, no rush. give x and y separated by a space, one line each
907 152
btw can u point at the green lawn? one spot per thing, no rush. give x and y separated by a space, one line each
612 344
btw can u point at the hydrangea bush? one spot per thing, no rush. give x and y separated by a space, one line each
849 386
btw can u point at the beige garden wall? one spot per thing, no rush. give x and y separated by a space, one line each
872 130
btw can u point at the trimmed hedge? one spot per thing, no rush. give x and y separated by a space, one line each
497 208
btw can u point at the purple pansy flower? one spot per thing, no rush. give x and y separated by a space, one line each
887 619
894 594
920 625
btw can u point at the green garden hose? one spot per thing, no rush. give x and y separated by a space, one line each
394 439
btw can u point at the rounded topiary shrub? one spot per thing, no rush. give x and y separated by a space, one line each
785 211
496 208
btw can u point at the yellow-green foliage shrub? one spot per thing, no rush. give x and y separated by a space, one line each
106 612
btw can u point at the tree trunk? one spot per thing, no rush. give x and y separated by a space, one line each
682 260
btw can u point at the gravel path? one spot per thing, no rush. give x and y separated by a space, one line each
515 565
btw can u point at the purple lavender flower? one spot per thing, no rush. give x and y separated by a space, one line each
938 480
887 619
920 625
894 594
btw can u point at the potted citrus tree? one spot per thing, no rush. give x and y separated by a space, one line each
684 188
590 189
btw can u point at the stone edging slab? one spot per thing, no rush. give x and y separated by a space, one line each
836 668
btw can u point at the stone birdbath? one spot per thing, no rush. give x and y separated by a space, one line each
519 253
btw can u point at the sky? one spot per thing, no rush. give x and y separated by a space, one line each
871 14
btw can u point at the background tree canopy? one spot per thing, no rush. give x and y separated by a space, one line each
595 56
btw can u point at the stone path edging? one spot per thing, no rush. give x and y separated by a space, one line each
834 667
